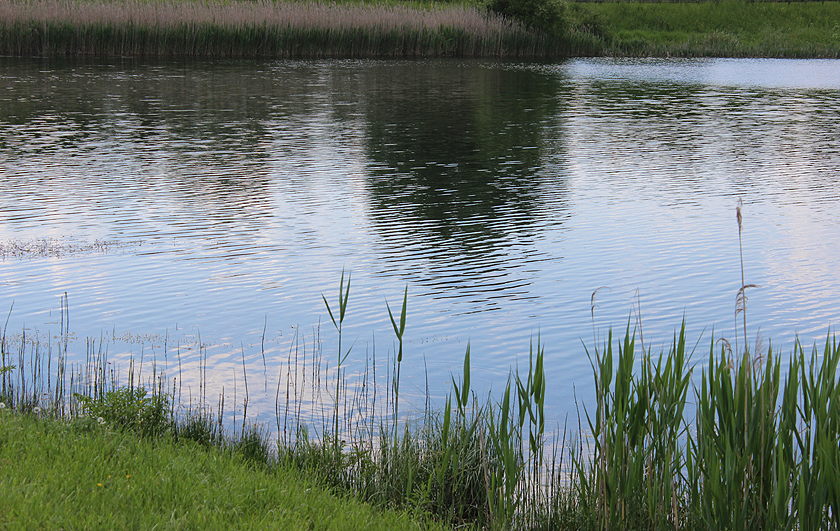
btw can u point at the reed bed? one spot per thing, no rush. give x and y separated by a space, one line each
260 29
736 441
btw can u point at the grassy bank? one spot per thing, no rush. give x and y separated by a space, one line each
740 440
728 28
56 474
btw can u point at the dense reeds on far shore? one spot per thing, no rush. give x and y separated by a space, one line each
260 29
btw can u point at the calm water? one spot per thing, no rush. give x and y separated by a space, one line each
221 199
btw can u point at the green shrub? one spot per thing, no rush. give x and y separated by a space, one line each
129 408
545 15
581 20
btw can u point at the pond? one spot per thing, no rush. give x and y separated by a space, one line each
187 203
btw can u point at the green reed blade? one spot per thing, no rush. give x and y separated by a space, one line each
465 390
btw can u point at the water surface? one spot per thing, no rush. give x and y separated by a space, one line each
178 200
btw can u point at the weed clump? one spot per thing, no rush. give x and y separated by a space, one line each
130 409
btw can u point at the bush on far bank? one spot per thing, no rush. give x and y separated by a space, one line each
545 15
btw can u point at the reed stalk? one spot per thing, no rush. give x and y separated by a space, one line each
343 297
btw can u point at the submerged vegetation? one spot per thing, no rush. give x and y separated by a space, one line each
740 441
516 28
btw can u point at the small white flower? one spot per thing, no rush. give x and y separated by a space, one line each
2 405
36 410
100 420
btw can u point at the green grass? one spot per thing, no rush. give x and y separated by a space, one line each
726 28
732 444
740 442
56 474
756 451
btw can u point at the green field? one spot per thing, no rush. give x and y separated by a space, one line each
728 28
236 28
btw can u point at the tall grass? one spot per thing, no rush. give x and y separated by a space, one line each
737 442
260 29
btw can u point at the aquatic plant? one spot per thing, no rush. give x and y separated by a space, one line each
728 28
343 297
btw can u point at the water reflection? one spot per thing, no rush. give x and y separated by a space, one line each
458 169
184 149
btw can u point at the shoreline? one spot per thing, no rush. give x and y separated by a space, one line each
730 28
656 447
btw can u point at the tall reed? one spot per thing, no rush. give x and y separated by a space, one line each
343 297
260 29
399 331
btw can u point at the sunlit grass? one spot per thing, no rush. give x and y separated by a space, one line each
727 28
56 474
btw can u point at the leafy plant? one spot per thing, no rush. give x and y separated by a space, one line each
129 408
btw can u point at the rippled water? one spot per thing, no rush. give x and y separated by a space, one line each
221 199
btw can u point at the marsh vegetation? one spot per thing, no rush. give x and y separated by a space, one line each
261 29
735 441
546 28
